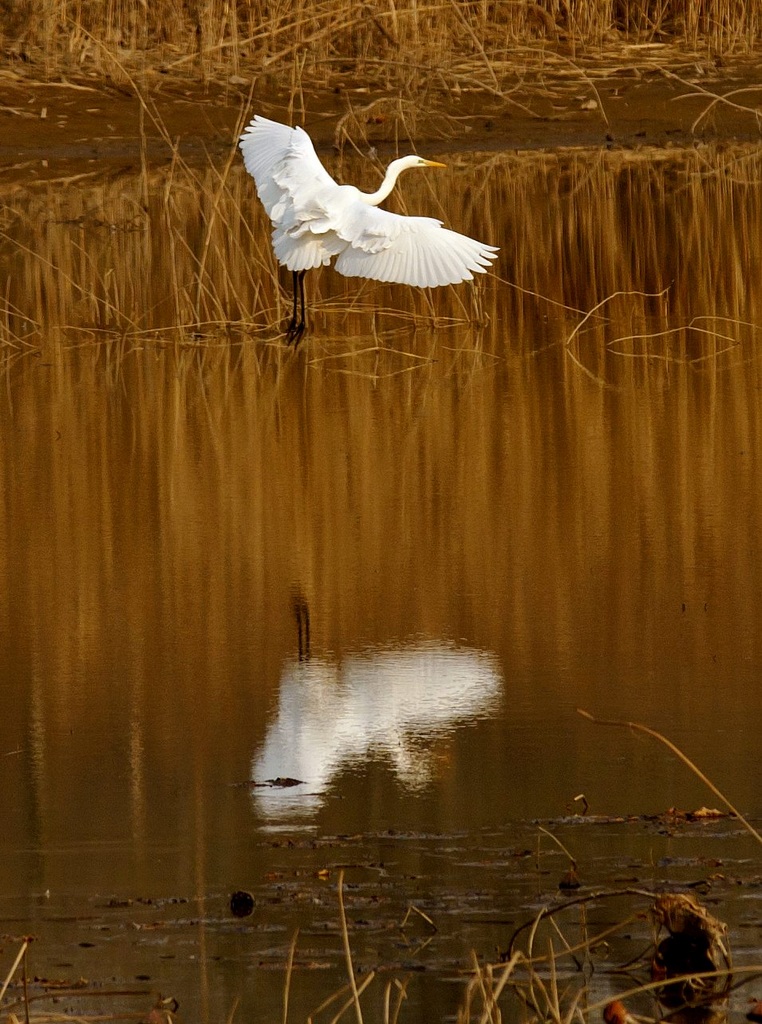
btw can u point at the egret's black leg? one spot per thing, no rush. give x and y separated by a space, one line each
292 322
297 323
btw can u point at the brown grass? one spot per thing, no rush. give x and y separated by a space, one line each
402 44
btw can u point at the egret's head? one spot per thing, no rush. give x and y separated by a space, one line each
393 171
406 162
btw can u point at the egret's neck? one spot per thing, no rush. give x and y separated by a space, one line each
393 171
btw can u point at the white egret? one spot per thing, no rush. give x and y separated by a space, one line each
315 219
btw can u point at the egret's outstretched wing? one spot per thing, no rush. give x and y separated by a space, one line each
296 191
316 219
284 165
416 251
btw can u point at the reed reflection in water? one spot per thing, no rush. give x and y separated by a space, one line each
175 248
580 514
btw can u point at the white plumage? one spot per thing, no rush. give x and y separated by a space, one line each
315 219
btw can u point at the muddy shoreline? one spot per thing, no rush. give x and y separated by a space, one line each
52 129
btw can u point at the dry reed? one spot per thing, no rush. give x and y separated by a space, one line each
639 727
393 44
551 992
182 255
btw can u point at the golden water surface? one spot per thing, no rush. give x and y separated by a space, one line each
488 505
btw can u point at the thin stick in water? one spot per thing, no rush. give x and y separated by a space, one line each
289 968
348 951
683 757
12 971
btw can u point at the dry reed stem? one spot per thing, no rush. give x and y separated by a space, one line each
654 986
715 98
25 982
638 727
338 994
670 332
554 1005
567 948
328 1001
351 1001
491 1012
505 975
607 299
20 956
558 843
289 970
233 1010
401 987
412 909
348 949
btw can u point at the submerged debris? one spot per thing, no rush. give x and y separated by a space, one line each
241 903
162 1012
570 879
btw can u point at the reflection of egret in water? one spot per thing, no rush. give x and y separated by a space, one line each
376 704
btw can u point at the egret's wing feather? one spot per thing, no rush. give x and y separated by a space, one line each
296 191
305 251
415 251
284 165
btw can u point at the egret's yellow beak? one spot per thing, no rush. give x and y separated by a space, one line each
434 163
